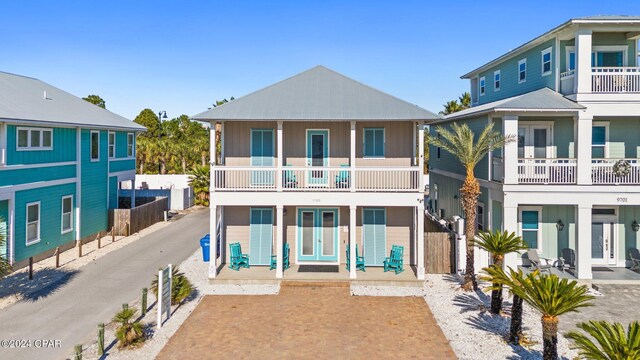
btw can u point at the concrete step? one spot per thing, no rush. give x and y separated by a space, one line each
617 288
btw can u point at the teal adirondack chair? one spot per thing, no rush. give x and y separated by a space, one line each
290 179
238 259
342 179
359 259
285 258
395 260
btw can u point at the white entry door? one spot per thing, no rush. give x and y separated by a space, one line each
603 240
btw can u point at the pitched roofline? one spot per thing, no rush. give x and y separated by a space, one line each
542 38
70 124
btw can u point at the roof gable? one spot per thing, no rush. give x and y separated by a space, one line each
317 94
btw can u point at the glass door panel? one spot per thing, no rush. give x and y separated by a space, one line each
317 156
328 228
308 229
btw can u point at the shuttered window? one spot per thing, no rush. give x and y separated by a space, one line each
261 236
374 224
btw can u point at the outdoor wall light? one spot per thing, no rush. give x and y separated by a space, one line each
560 225
635 226
284 211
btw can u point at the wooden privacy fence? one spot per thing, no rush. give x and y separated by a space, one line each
438 248
128 221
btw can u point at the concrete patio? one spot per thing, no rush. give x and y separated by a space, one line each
612 275
373 276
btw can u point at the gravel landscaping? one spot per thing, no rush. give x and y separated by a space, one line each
474 333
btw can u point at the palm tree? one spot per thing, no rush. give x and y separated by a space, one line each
548 294
499 244
465 100
5 266
200 180
181 287
611 342
450 107
499 278
128 333
460 142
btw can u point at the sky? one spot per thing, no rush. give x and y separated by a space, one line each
181 56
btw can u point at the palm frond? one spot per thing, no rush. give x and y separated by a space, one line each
607 341
499 243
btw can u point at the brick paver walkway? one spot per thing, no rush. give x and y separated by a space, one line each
321 321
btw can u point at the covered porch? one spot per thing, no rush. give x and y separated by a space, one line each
601 275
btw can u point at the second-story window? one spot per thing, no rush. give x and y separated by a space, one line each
95 145
373 142
482 86
130 142
112 144
522 70
34 139
598 141
546 62
496 80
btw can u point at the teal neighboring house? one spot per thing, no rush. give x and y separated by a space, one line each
61 162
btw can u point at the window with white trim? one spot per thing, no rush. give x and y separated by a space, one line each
112 144
482 86
95 145
33 223
67 214
546 61
599 136
130 143
373 143
522 70
530 227
34 139
496 80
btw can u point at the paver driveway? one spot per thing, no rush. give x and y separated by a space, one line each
310 321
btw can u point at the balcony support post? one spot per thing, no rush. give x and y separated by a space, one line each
510 224
352 158
583 241
280 158
510 160
583 75
414 161
279 240
352 241
420 239
583 149
213 237
421 156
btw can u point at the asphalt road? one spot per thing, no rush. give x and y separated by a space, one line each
71 314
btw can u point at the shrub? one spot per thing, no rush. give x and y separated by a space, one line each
181 287
128 333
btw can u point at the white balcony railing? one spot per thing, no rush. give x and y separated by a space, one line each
546 171
390 179
615 79
602 172
567 81
497 172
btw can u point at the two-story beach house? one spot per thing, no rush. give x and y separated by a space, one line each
319 162
61 159
571 182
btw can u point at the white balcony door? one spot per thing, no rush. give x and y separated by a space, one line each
534 147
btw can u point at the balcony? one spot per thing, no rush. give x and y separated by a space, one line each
317 179
602 172
615 79
546 171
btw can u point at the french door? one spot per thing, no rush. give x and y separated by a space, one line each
262 154
318 234
534 148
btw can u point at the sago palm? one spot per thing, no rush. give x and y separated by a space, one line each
499 278
128 333
552 297
611 341
499 244
5 266
461 142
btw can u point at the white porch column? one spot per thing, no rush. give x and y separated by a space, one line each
421 161
583 149
78 197
414 161
352 159
11 243
213 240
222 143
420 231
583 242
133 193
510 161
352 241
583 62
510 214
279 240
280 159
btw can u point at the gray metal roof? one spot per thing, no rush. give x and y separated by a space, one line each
542 100
22 99
317 94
